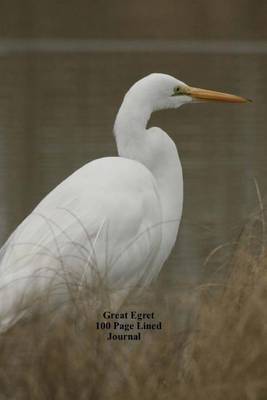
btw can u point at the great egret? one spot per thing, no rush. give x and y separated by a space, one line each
116 217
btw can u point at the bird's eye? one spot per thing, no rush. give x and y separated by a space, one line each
177 91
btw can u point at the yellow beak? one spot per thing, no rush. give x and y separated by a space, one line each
211 95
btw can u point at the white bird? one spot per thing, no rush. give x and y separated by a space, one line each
115 218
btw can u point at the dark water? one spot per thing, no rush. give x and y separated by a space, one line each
57 113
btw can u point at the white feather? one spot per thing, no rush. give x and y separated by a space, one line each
116 218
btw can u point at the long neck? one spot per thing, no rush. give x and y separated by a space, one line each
154 149
130 128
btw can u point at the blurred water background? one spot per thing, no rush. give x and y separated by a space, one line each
64 68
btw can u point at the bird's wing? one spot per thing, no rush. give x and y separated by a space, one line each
101 221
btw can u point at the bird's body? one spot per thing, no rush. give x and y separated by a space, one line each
116 218
119 239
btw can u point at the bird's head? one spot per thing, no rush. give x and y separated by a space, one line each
161 91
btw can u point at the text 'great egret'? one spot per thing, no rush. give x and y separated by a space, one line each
115 218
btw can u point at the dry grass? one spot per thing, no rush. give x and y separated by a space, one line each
223 355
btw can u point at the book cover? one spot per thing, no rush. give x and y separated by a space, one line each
133 226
